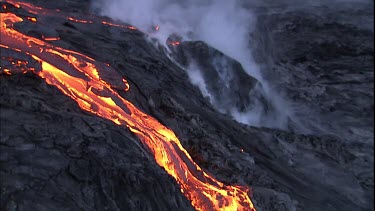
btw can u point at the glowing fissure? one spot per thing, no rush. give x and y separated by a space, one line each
174 43
82 79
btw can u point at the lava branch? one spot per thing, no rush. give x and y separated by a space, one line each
41 11
82 79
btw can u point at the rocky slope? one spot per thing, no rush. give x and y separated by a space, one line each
321 56
55 156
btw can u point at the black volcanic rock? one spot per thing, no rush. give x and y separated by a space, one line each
322 59
54 155
227 82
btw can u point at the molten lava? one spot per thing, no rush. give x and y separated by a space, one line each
32 19
41 11
174 43
50 38
79 21
118 25
87 82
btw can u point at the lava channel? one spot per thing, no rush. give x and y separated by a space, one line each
86 82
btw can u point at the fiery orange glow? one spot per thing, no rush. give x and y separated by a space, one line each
41 11
31 19
174 43
7 71
86 82
51 38
119 25
79 21
127 87
29 7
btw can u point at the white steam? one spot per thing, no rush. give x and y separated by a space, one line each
223 24
197 79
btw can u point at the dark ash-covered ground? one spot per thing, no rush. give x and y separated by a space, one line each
54 156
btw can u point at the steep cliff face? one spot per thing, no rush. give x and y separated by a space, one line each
54 155
227 84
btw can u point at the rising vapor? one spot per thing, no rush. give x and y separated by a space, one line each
224 25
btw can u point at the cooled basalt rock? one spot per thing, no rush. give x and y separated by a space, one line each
53 155
321 59
226 81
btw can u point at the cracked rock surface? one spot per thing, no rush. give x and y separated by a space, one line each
54 156
322 58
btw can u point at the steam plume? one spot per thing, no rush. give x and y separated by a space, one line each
224 25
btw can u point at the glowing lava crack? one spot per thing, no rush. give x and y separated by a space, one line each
91 84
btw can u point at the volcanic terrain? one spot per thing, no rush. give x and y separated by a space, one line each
95 115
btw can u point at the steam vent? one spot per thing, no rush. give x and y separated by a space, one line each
197 105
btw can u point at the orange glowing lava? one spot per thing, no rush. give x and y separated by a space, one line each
79 21
51 38
29 7
174 43
7 71
119 25
92 86
41 11
31 19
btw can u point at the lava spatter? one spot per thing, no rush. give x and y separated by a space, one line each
81 78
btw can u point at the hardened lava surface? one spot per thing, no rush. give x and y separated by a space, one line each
56 156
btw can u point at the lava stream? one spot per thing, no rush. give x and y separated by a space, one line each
87 82
41 11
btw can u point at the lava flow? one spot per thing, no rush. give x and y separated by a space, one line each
41 11
92 85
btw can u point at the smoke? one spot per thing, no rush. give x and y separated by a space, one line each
224 25
197 79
